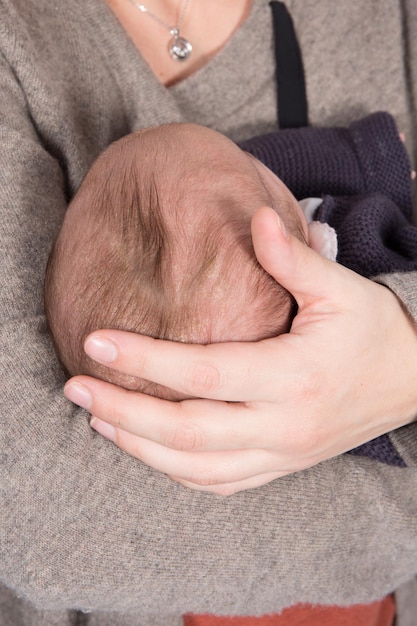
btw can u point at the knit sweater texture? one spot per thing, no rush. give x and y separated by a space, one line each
85 527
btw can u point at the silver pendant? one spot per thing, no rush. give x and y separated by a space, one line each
178 47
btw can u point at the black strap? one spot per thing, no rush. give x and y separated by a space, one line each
292 96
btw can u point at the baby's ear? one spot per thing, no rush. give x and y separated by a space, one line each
323 239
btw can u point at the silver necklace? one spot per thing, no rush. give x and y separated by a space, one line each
179 48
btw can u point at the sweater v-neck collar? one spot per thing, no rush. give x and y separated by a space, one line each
110 36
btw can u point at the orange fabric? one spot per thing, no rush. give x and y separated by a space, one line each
376 614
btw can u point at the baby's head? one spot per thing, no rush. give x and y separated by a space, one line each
157 241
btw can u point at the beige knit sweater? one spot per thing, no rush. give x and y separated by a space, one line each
84 526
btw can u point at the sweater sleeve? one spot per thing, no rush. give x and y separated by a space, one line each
83 525
403 284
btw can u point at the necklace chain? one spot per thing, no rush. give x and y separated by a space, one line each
178 48
144 9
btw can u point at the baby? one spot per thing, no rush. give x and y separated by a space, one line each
157 240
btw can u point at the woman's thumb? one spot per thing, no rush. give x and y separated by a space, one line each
298 268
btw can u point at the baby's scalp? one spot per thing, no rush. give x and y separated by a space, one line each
158 241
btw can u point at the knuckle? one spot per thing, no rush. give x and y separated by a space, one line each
304 434
310 387
141 367
306 441
184 437
202 379
115 417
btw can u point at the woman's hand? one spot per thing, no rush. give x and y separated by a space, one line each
344 374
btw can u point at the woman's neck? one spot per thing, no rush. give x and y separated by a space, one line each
206 24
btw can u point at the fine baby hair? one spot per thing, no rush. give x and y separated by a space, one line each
157 240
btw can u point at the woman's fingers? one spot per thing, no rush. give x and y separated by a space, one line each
219 371
228 489
282 441
233 371
189 425
202 469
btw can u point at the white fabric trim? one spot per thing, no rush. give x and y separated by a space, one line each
321 237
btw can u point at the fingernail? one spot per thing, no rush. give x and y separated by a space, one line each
101 349
107 430
79 395
282 227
